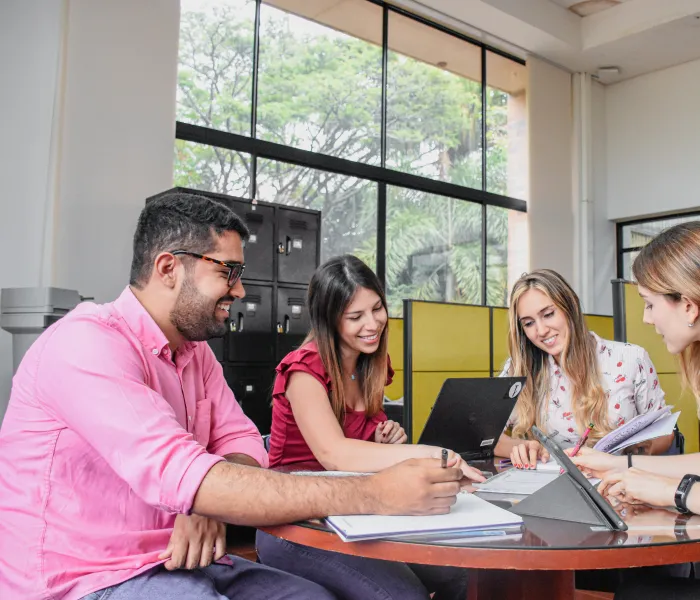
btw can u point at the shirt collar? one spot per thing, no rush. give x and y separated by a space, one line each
553 364
144 327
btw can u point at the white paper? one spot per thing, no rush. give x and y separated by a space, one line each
634 426
659 428
468 513
518 481
551 466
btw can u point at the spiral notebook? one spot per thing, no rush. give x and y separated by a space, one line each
468 515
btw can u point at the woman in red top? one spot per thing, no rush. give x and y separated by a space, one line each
327 408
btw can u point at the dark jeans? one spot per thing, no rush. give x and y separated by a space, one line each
244 580
670 588
356 578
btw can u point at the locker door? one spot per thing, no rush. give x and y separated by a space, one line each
251 336
252 387
297 245
292 319
259 250
217 345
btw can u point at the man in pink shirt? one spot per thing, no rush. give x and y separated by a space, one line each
123 451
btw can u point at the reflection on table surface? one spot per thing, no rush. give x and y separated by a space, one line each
646 525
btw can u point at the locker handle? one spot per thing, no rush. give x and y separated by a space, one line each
240 321
286 323
289 245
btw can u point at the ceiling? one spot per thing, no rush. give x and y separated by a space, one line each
585 8
638 36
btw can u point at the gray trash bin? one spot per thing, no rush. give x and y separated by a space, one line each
27 312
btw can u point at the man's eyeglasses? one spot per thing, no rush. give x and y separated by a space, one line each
235 269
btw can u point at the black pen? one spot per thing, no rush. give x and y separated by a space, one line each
443 462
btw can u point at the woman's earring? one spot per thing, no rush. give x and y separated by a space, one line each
691 324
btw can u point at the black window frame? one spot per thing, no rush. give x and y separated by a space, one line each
382 175
620 225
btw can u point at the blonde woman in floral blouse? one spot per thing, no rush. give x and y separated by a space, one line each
573 376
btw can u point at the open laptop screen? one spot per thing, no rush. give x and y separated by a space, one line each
470 413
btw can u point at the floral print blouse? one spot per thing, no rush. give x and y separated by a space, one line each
628 378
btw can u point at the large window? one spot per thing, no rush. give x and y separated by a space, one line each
348 205
632 237
434 247
409 138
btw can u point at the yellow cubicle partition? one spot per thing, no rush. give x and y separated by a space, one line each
629 309
442 340
395 390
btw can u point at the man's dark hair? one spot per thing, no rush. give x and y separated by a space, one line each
179 221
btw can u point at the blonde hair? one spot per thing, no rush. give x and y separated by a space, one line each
670 265
578 360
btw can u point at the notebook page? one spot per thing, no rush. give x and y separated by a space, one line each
659 428
517 481
632 427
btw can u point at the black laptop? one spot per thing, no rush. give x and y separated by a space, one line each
470 413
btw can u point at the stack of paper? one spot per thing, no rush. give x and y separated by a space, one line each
642 428
468 515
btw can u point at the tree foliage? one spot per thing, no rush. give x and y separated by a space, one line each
320 90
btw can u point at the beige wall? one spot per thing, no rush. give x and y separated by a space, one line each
550 204
92 118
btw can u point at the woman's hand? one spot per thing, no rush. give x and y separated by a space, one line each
634 485
195 542
389 432
525 455
597 464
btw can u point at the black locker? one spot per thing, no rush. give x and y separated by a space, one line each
271 320
292 319
251 335
260 248
297 245
252 387
217 345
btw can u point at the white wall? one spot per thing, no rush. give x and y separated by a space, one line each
653 143
550 204
603 234
98 77
31 35
118 135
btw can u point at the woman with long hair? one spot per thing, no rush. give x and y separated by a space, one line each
327 410
667 271
574 377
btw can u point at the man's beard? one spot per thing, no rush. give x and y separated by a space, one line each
194 315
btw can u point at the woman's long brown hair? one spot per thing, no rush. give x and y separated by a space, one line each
331 290
670 265
578 360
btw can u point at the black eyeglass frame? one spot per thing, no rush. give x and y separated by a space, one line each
235 269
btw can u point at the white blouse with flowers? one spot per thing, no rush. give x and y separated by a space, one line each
628 378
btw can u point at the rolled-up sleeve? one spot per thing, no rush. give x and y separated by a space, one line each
232 432
98 389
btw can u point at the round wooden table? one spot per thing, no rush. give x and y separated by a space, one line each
541 562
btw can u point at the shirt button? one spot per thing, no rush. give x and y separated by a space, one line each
155 350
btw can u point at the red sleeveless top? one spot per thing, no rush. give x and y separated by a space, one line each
287 444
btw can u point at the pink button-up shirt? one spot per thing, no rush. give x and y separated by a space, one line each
104 441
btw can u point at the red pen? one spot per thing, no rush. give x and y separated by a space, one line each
581 442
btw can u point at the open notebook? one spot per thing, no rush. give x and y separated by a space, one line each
644 427
469 514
